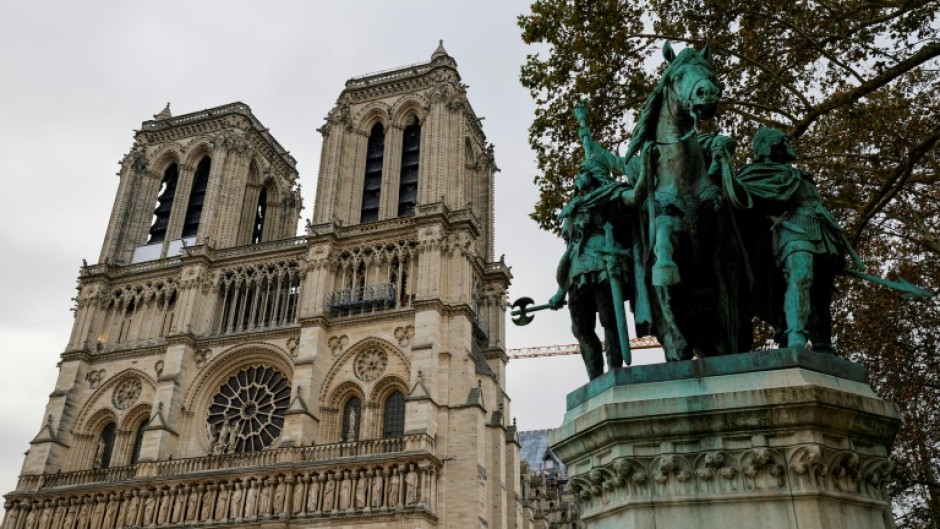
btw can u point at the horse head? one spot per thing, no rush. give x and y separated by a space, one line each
691 79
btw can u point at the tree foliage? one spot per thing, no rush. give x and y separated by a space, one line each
856 83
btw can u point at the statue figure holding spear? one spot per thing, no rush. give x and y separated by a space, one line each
809 247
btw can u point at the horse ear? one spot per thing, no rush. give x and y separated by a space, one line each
707 52
668 54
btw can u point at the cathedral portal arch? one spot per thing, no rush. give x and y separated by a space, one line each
225 365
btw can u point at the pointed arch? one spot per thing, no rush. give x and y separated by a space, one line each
261 213
346 358
393 415
166 195
93 406
97 421
388 396
135 423
337 411
165 156
409 167
197 196
407 106
386 386
104 450
372 179
231 360
372 113
198 149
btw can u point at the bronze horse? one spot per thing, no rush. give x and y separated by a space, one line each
697 260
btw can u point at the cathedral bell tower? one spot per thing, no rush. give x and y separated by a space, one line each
215 177
222 371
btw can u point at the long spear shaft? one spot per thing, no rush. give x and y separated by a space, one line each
907 289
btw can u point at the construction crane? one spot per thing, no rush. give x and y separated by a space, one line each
644 342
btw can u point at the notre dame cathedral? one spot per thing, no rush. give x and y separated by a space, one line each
223 371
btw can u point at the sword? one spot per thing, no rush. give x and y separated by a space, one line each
616 291
907 289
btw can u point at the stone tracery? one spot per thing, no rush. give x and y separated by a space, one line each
258 295
136 311
370 364
127 393
247 414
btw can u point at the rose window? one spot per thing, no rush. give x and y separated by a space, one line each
247 414
126 394
370 364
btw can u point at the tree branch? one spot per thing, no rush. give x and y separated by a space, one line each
765 121
766 108
753 62
841 99
893 185
818 47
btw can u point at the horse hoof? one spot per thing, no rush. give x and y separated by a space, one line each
664 276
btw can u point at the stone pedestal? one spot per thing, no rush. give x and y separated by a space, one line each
774 439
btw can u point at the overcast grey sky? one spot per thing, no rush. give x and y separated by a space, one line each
79 77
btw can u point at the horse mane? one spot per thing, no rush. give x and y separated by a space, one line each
645 125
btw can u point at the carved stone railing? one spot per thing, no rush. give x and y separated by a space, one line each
367 298
385 225
82 477
382 490
215 463
409 443
176 467
297 242
158 264
388 75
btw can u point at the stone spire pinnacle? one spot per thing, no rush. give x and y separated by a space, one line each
440 51
164 114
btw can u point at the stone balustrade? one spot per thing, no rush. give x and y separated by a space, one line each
381 489
326 453
389 75
269 246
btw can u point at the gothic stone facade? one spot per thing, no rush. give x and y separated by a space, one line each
223 371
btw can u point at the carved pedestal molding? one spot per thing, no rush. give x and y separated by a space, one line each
784 439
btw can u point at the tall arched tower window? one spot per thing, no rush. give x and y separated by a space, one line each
260 212
352 416
105 446
408 181
372 185
394 424
196 197
161 214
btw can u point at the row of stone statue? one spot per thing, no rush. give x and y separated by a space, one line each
697 248
373 490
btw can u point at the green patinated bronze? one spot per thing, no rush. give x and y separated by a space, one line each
692 370
597 264
696 247
807 243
